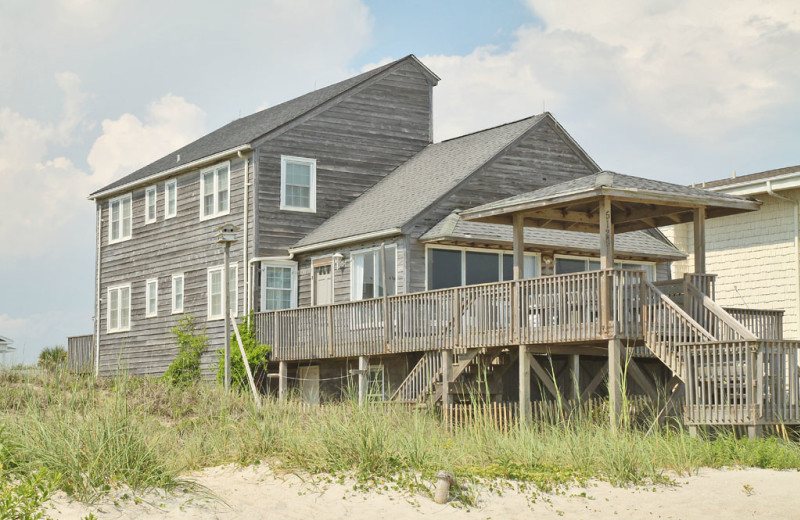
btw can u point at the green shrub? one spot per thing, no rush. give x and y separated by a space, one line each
52 358
185 369
257 356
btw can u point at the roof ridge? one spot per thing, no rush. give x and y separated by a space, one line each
494 127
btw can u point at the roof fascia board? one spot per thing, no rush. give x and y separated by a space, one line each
572 143
258 141
346 240
587 194
419 216
782 182
166 173
678 199
434 79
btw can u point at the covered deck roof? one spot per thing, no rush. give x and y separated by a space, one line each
636 203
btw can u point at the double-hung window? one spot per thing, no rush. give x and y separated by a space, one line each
119 308
151 298
216 304
177 293
215 188
150 204
298 184
170 198
367 273
119 225
278 286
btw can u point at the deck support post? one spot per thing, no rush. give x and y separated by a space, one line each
363 369
524 384
754 431
447 376
615 382
575 378
282 381
606 263
700 240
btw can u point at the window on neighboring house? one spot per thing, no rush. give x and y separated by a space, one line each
215 303
150 205
298 184
120 219
376 388
170 198
454 267
367 273
177 293
278 286
215 187
151 297
119 308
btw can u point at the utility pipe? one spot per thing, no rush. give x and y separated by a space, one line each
244 226
796 204
98 259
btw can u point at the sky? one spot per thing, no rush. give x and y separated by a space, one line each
677 90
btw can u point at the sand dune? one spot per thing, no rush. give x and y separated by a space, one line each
257 492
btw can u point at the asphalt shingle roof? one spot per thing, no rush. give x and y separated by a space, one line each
768 174
247 129
418 183
635 243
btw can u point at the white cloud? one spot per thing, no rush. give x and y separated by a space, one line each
127 143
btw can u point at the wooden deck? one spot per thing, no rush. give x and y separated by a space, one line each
736 367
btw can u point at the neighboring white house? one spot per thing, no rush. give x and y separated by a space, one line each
5 347
756 255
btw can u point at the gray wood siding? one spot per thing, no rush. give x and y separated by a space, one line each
182 244
341 277
356 143
541 158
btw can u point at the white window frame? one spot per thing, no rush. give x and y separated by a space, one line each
377 259
284 265
235 297
182 278
118 289
150 201
312 192
151 313
121 201
216 213
371 395
643 263
171 187
537 262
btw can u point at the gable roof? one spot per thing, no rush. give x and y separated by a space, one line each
248 129
418 183
636 243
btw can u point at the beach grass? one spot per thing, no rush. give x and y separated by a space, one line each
87 437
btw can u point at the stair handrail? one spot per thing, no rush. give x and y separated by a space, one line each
430 364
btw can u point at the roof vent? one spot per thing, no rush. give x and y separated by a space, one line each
178 159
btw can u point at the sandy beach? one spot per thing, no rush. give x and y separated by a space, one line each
258 492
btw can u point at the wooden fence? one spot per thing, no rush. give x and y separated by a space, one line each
80 353
551 309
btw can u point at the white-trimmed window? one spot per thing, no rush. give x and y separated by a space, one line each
151 298
366 273
216 304
119 308
170 198
278 283
177 293
119 220
215 189
376 383
298 184
457 266
150 200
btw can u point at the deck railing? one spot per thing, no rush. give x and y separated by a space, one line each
742 382
552 309
765 324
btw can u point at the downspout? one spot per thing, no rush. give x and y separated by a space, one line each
245 245
97 261
796 204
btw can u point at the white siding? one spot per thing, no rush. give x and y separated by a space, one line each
753 255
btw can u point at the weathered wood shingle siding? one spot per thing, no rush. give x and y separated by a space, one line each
542 158
356 143
182 244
